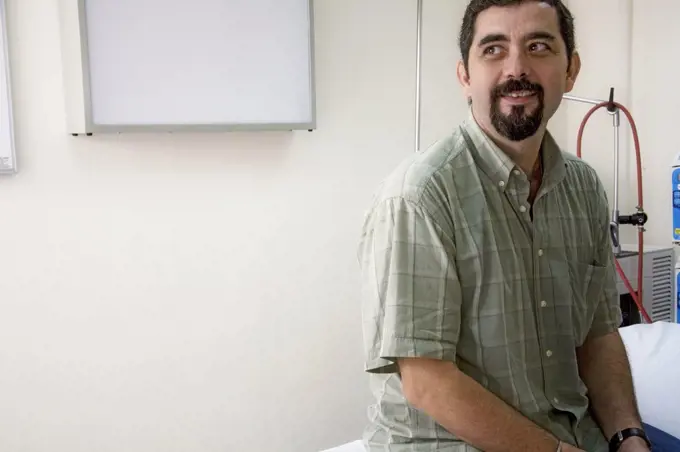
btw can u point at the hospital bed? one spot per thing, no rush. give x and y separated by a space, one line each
654 353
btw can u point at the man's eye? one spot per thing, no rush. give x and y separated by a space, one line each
492 50
538 47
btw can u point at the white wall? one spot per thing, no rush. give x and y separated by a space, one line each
654 104
199 291
195 291
604 47
620 48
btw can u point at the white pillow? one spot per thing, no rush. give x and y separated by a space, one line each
654 354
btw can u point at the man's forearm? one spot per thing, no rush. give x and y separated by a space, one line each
469 411
604 368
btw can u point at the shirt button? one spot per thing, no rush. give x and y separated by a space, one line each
522 209
501 184
556 400
516 172
540 252
544 304
548 353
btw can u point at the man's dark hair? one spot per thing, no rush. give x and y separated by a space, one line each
475 7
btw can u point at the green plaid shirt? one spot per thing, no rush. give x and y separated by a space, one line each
456 266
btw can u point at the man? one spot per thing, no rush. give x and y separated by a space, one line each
491 312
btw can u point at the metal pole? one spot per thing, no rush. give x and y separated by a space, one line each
617 152
583 99
617 145
419 45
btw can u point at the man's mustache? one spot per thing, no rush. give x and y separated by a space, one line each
514 85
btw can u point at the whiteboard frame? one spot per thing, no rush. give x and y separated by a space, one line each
4 53
92 127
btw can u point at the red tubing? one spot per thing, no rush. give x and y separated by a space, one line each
637 296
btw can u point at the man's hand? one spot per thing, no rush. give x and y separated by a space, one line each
634 444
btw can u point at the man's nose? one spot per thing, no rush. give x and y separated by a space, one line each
517 65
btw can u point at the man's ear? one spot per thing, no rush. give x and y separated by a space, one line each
463 78
572 73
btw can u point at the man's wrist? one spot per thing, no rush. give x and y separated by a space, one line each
634 444
630 439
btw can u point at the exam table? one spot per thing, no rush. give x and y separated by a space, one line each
654 354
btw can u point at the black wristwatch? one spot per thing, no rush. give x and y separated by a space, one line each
620 437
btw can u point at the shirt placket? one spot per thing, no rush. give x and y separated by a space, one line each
545 316
519 189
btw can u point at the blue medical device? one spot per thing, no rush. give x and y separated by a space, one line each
675 190
677 290
675 181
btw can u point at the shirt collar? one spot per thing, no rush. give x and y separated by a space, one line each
499 166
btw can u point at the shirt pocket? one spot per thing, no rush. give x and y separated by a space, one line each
587 286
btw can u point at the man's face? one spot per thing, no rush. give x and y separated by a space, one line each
518 69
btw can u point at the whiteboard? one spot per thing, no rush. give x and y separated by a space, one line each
242 64
7 152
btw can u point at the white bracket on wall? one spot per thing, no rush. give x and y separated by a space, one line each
419 69
8 160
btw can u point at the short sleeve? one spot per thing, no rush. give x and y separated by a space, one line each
410 289
608 317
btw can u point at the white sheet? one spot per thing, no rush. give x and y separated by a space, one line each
654 353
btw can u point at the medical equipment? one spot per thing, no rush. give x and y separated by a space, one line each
675 190
659 296
653 265
677 290
675 187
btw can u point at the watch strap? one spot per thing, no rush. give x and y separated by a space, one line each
619 437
